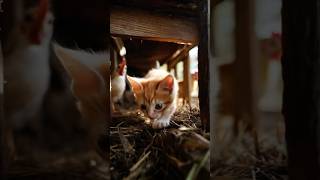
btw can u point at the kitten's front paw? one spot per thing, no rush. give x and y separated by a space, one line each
158 124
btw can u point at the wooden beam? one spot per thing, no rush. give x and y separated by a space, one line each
151 26
178 56
206 92
301 75
177 7
246 67
187 80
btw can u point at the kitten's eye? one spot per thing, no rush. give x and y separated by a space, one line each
144 107
158 106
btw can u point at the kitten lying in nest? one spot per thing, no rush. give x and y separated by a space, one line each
156 95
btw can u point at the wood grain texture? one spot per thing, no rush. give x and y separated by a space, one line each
301 75
151 26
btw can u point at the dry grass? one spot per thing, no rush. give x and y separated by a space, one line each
177 152
236 157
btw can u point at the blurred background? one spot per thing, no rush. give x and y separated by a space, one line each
249 128
44 128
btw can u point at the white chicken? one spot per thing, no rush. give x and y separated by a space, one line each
26 66
122 96
118 82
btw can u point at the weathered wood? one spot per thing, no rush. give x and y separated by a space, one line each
246 66
185 8
187 80
178 56
206 92
301 75
151 26
175 71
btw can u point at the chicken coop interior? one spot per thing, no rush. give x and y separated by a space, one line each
149 40
159 89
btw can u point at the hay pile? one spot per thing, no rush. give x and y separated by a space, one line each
68 161
242 162
237 158
139 152
82 166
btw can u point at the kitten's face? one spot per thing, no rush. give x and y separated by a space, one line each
154 97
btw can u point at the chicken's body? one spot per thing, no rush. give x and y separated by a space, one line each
27 76
118 86
122 96
26 66
26 70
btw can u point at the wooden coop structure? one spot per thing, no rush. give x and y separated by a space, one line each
165 31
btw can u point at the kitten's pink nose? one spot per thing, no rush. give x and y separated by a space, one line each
152 115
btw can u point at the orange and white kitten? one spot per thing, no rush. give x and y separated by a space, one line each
156 95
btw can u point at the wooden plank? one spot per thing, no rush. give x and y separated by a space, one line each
246 67
187 80
177 7
301 75
178 56
151 26
206 92
175 71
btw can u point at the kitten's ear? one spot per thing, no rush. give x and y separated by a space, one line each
85 80
135 85
167 83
